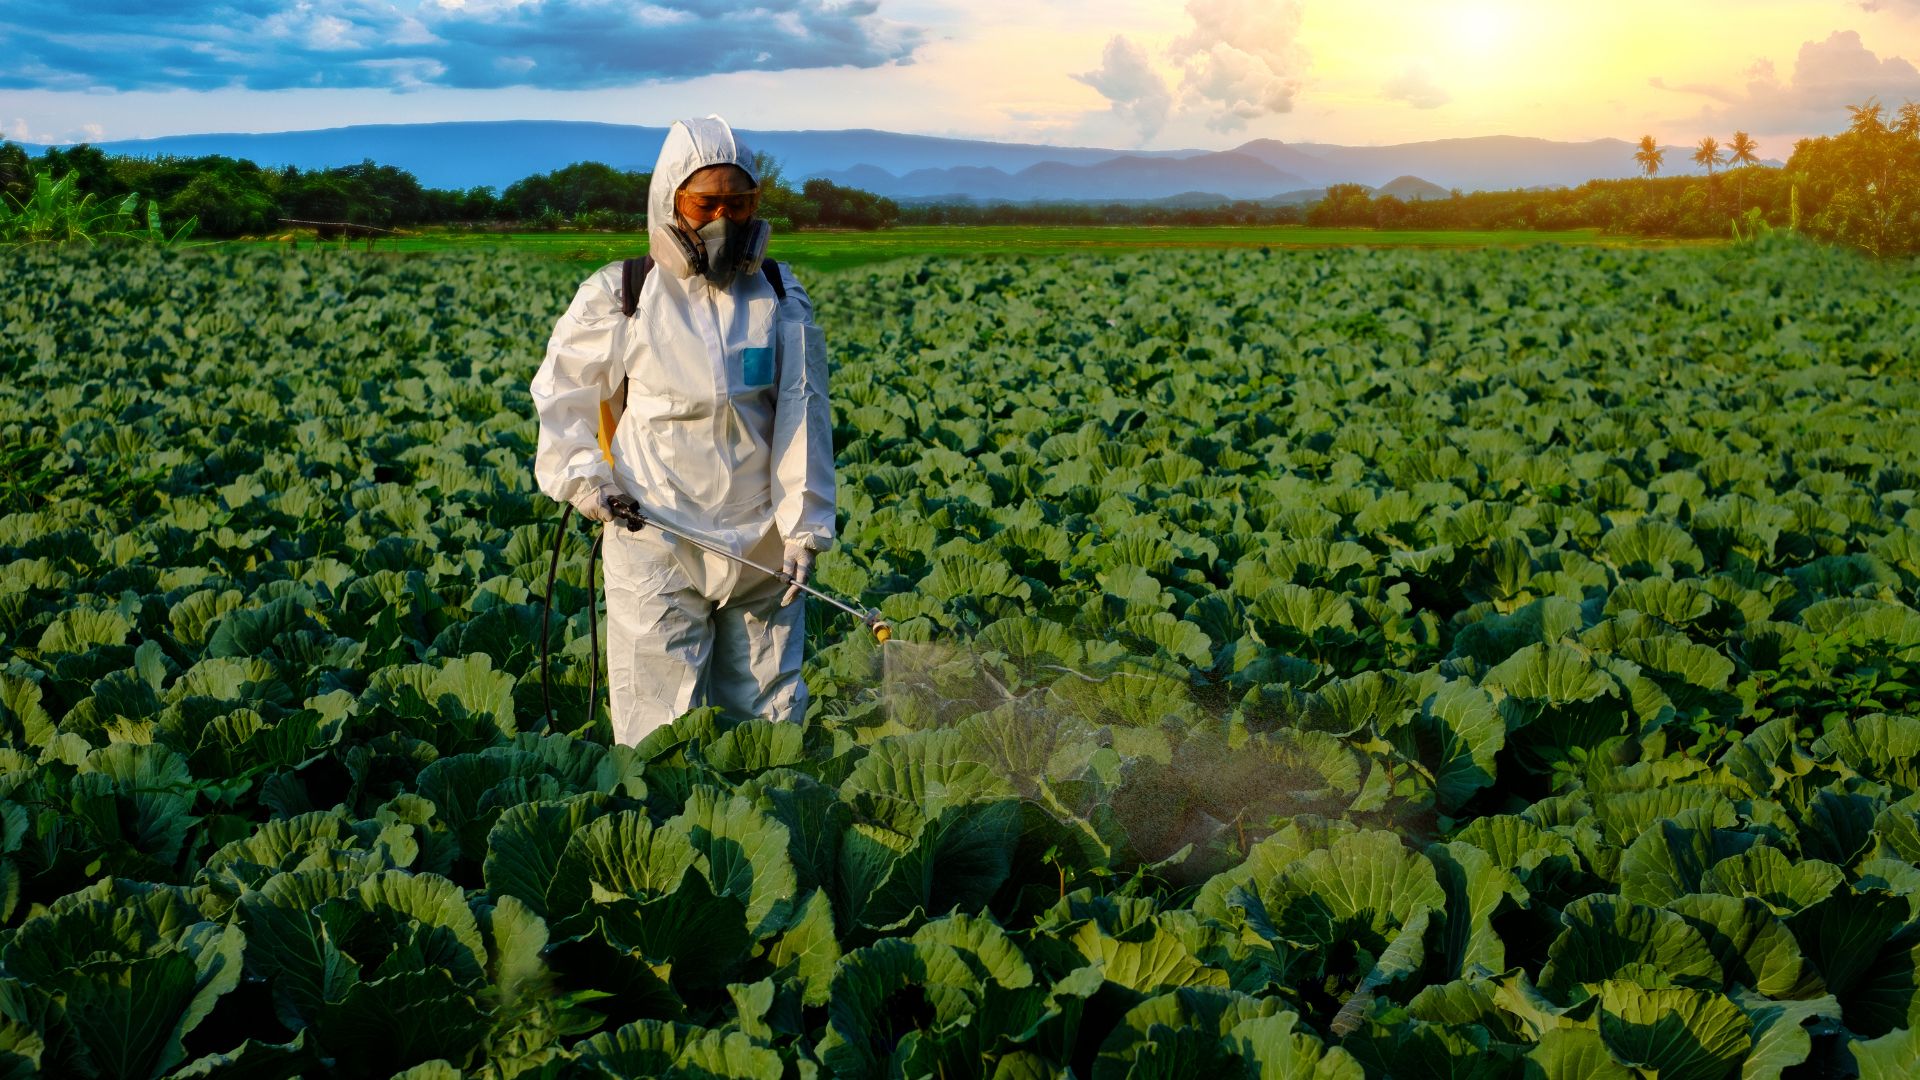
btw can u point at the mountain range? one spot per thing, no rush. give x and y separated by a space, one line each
467 154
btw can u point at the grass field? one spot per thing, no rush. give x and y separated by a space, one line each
835 249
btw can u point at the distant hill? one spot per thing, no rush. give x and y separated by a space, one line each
1121 178
921 167
1486 163
1412 187
463 154
1291 158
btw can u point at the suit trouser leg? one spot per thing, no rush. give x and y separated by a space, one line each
758 645
659 634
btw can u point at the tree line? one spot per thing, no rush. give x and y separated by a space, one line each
1860 187
232 197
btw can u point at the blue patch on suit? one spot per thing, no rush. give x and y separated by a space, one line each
756 366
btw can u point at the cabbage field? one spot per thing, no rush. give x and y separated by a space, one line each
1318 665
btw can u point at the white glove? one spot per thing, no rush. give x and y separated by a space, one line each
592 502
797 567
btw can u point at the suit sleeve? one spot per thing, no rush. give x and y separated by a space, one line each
581 370
803 485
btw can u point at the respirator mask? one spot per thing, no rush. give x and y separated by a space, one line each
719 251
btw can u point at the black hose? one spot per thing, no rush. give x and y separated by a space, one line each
593 631
546 611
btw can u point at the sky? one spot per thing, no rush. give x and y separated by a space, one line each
1124 73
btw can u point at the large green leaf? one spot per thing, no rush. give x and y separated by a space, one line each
887 992
1477 889
255 1060
1266 861
1458 733
982 942
695 938
658 1048
406 904
1780 1037
1767 874
756 746
133 971
813 815
808 949
620 854
289 945
1607 939
1553 674
1543 860
1883 748
516 941
904 782
1676 1032
139 796
1180 1033
1573 1054
956 861
1274 1048
526 843
1360 888
1423 1051
1754 947
1150 963
400 1020
746 854
1670 859
1853 941
1893 1056
1652 547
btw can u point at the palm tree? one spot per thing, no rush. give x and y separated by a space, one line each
1708 154
1909 122
1742 152
1866 119
1650 156
1742 149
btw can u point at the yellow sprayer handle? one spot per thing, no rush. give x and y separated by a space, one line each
606 431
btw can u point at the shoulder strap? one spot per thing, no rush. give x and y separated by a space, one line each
633 278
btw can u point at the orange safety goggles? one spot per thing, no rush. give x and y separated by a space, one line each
733 202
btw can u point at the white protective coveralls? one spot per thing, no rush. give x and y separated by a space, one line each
726 434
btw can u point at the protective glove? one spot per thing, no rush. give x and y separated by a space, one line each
796 567
596 503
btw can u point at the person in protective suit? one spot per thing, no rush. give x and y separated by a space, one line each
725 435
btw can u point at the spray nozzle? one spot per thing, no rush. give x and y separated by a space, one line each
882 630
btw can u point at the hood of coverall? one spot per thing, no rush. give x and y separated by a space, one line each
691 145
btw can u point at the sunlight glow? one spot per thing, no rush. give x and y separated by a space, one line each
1477 29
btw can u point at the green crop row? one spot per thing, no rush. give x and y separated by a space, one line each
1326 664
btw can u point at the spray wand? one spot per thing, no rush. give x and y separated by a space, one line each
627 512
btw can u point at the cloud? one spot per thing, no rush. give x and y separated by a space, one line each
1242 59
410 44
1137 92
1416 87
20 131
1827 77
